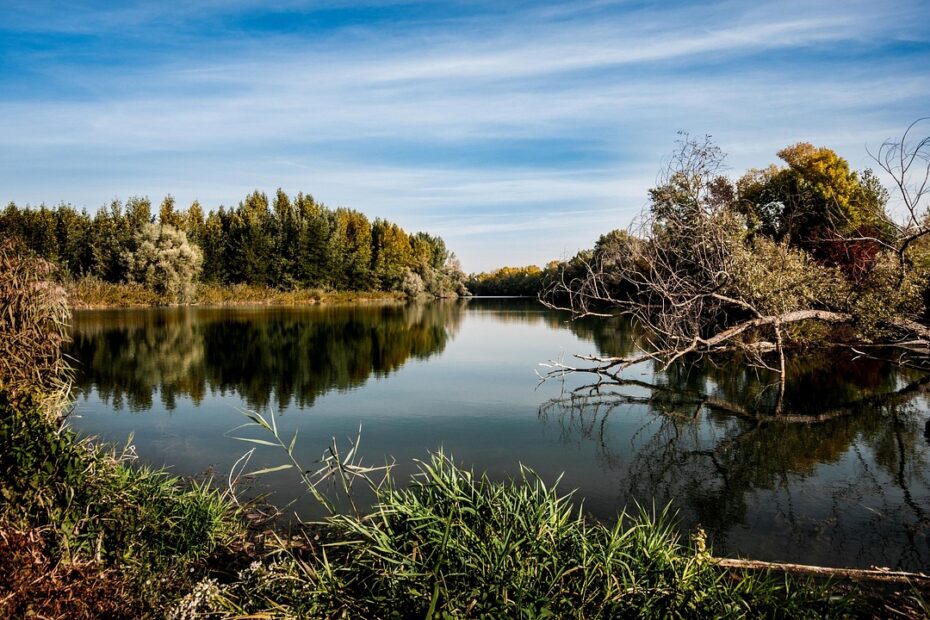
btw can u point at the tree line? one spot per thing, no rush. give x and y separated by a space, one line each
284 243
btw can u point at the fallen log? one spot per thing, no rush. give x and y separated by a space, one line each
883 575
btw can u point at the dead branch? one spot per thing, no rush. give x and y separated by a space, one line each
883 575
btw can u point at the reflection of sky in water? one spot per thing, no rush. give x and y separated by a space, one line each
854 491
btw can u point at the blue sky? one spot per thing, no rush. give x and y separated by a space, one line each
519 131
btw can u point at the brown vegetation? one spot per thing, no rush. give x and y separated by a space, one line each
33 325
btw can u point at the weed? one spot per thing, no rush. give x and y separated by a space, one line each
454 544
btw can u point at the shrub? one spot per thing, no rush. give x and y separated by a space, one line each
166 262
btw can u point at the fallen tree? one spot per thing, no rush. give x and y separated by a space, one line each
715 267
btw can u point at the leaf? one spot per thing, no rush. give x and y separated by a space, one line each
268 470
260 442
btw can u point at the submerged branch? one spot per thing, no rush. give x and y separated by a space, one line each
608 382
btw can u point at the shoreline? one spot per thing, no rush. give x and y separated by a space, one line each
96 295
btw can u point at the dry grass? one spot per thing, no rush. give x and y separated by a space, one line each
95 293
34 583
212 294
34 319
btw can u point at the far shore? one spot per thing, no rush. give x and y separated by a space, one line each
98 295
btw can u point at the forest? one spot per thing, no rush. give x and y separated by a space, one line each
285 243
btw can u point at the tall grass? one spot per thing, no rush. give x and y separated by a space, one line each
33 325
455 544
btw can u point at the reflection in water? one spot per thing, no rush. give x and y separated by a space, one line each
295 353
851 490
854 488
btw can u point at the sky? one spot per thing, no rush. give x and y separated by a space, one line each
518 131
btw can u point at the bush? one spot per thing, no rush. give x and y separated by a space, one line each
83 506
165 262
412 284
96 504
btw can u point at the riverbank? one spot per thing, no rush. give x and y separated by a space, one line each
88 532
85 532
91 293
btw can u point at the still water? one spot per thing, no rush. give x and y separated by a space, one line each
461 376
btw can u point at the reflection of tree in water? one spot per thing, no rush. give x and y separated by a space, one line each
128 359
272 353
868 461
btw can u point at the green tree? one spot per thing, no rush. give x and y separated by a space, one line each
815 197
314 256
286 231
350 246
168 215
165 261
391 254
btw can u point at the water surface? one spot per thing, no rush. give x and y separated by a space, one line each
461 376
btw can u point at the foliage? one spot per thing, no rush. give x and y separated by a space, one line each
412 284
785 256
777 278
115 523
507 281
285 243
816 202
885 296
103 523
33 325
454 544
164 262
94 505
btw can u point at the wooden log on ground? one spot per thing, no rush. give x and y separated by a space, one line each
853 574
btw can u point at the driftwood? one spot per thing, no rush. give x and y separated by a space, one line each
882 575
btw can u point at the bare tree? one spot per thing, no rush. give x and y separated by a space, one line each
907 162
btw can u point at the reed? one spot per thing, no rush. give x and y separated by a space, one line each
455 544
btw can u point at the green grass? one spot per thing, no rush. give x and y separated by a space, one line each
455 545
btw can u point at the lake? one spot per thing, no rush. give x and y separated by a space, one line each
461 375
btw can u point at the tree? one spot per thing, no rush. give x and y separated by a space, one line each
814 201
165 261
314 259
350 247
213 240
168 215
391 254
292 243
704 281
286 233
